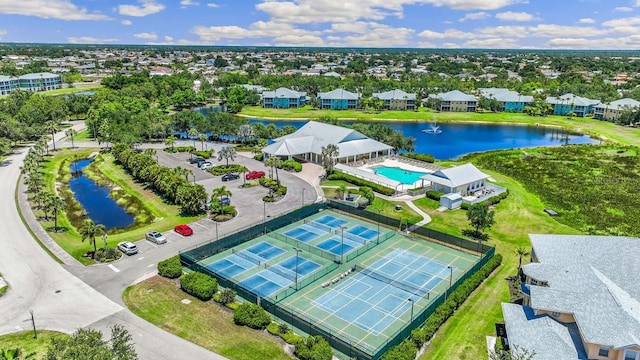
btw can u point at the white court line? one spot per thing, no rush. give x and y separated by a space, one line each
196 223
115 269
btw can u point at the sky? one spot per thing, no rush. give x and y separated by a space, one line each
486 24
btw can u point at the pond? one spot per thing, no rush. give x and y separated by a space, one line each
95 199
458 139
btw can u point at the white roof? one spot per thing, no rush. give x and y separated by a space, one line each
42 75
454 95
594 278
456 176
7 78
571 99
283 93
339 94
314 135
620 104
394 94
452 196
505 95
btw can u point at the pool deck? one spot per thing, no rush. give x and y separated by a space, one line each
393 162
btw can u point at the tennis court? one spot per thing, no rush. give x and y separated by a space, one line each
303 233
231 266
338 246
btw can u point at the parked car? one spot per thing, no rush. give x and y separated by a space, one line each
230 176
196 160
156 237
254 175
128 248
225 201
206 165
183 230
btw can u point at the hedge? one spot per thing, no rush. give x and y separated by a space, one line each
223 169
338 175
422 157
204 154
406 350
170 268
494 200
434 195
455 299
251 315
314 348
288 336
199 285
291 165
176 149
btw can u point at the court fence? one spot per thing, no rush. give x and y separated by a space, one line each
354 348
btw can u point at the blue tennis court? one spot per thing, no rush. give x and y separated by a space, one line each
335 245
331 221
266 250
303 233
231 266
265 283
363 232
305 266
377 295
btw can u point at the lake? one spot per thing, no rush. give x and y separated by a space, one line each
458 139
95 199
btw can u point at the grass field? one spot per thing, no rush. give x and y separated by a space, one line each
71 90
166 215
463 335
24 340
159 301
601 129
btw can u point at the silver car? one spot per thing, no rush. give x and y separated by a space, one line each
128 248
156 237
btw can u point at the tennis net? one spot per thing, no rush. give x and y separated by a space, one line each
280 271
245 255
319 226
351 236
406 287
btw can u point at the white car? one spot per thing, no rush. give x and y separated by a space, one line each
206 165
156 237
128 247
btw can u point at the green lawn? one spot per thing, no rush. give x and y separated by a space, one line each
159 301
463 335
602 129
166 215
71 90
25 341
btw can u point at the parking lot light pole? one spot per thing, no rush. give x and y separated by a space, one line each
264 217
303 189
342 244
297 256
216 230
379 211
411 300
446 293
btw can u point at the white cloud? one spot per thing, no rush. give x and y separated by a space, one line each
378 34
479 33
49 9
212 5
126 22
553 30
185 3
492 43
146 36
89 40
168 38
260 29
474 4
2 32
586 21
148 7
629 42
474 16
629 25
623 9
515 16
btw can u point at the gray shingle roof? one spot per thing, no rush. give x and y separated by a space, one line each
454 95
7 78
340 94
43 75
314 135
394 95
595 278
456 176
283 93
569 99
505 95
619 104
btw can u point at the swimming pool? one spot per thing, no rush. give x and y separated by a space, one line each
408 177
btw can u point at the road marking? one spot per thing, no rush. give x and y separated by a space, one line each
150 265
152 244
115 269
201 225
140 258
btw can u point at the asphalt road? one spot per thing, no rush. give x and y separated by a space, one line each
71 296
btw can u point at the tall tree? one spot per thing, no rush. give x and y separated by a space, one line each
227 152
521 252
52 127
57 204
329 154
70 133
217 195
170 141
480 218
274 162
90 231
89 344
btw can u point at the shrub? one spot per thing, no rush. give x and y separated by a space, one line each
422 157
258 157
292 165
406 350
170 268
282 190
199 285
227 296
251 315
107 255
434 195
203 154
283 328
338 175
223 169
314 348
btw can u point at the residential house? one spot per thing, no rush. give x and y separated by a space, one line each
510 101
307 143
463 179
258 89
613 110
570 103
582 299
397 100
40 82
283 98
454 101
338 99
160 71
8 84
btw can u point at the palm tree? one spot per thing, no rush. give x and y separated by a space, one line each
150 152
329 154
202 138
170 141
193 134
91 230
35 182
52 127
227 152
182 172
245 131
273 162
342 189
218 194
521 252
57 204
70 134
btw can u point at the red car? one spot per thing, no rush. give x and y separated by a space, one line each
254 175
183 230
